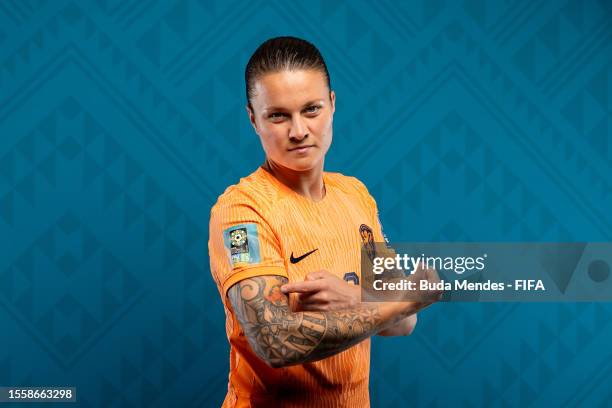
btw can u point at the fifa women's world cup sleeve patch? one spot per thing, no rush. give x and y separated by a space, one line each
242 242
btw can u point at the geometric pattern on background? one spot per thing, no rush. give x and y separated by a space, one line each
41 290
122 121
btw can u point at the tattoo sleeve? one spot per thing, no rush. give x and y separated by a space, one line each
282 337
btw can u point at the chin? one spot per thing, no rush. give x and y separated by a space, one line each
299 163
301 166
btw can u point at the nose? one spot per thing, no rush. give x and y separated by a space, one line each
298 130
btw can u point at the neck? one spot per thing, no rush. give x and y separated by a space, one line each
308 184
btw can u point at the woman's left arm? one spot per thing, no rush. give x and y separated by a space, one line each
341 295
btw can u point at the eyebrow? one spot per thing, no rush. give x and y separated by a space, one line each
275 108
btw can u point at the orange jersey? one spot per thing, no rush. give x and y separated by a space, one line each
261 227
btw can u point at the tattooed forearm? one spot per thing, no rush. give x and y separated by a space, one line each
281 337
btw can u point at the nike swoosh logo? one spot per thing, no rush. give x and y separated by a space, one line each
299 258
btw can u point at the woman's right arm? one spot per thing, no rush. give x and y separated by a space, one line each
282 338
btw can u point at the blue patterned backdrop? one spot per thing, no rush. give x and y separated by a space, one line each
121 121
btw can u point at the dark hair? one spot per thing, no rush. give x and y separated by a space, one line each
282 53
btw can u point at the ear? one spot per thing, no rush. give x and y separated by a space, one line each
332 98
251 117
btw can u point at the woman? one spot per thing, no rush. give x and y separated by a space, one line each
285 249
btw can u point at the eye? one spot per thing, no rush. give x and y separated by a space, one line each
276 116
312 109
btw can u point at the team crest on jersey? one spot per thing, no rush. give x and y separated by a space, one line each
242 241
367 239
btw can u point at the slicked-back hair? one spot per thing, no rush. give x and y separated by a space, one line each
280 54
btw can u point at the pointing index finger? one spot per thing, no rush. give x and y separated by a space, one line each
302 287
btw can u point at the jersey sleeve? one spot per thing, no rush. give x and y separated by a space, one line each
370 203
379 235
386 251
241 245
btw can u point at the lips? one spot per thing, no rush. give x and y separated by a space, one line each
300 148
